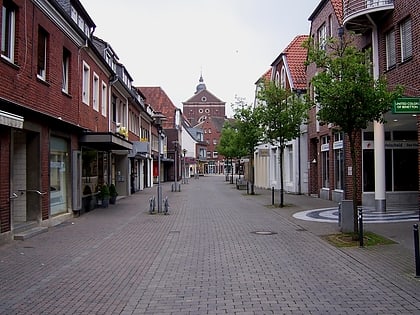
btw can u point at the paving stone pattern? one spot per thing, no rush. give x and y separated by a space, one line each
202 258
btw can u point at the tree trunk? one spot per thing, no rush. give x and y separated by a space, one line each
281 177
252 173
352 137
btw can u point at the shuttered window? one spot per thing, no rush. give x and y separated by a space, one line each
390 50
406 40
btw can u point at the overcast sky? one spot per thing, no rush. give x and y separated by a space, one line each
169 43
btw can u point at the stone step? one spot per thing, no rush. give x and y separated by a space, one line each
28 233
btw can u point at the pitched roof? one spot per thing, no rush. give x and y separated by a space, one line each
296 56
337 6
160 101
197 98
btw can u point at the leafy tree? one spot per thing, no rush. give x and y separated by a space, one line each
282 112
247 123
348 95
228 143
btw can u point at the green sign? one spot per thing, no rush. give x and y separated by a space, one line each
406 105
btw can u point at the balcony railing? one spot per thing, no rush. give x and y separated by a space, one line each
354 8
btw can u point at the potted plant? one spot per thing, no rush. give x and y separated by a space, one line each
113 194
104 195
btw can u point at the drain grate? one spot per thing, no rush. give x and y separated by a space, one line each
264 232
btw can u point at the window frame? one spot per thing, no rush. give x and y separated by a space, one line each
42 54
406 38
390 50
8 32
85 83
65 85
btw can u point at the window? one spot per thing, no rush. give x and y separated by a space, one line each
338 160
66 67
215 154
406 42
95 92
325 162
277 79
322 37
114 108
85 84
104 99
330 26
390 49
42 54
8 31
283 78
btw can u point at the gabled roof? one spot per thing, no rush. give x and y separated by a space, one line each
265 76
197 98
160 101
296 56
336 4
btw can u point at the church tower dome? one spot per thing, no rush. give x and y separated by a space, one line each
201 86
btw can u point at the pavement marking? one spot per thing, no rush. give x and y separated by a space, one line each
330 215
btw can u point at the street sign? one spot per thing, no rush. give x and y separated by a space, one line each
406 105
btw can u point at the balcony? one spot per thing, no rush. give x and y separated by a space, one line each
360 14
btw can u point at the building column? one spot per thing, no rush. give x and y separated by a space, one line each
379 136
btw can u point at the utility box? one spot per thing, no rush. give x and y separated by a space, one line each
346 216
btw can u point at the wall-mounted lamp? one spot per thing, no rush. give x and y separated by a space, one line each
314 161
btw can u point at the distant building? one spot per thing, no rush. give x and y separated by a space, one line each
206 111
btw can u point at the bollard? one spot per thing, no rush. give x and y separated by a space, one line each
360 227
247 188
416 249
166 206
152 205
339 214
272 196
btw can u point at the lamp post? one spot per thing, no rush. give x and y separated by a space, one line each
158 119
175 165
184 175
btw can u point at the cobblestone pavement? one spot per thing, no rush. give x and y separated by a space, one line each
203 258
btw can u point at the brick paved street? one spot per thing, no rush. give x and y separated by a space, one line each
203 258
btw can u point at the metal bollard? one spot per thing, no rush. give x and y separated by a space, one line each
166 206
361 227
272 196
416 249
339 214
152 204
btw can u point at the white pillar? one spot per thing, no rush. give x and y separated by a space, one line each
379 138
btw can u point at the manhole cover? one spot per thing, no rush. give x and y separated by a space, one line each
264 232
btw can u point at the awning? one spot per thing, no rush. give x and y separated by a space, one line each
105 141
140 150
11 120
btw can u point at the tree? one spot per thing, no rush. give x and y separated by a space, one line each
348 95
228 143
247 123
282 112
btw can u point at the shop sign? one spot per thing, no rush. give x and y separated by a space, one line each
11 120
406 105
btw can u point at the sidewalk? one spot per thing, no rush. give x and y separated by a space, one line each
219 251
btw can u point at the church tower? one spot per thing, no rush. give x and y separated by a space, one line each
203 104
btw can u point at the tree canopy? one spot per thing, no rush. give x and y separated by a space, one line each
347 94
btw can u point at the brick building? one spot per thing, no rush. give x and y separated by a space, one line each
204 110
388 172
67 112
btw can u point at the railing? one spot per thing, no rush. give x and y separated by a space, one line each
352 7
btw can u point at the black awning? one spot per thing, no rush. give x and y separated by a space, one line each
105 141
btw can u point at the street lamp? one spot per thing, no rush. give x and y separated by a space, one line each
159 118
184 173
175 167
